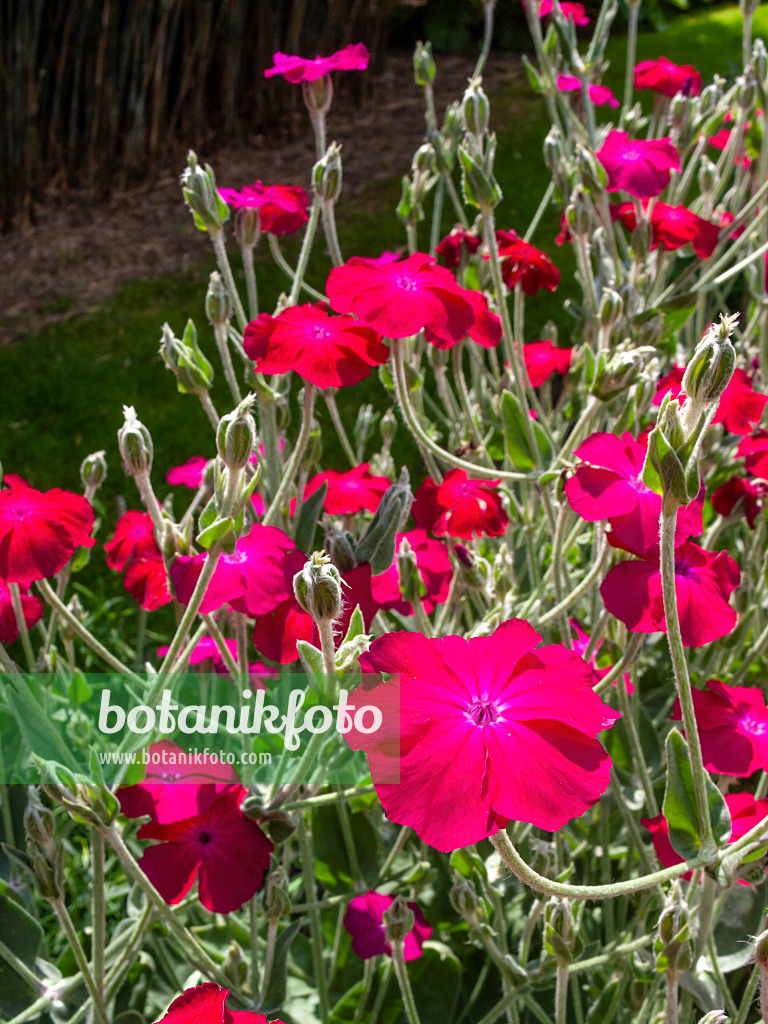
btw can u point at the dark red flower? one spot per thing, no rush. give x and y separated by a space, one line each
349 492
282 208
204 1004
489 730
435 569
524 263
664 76
703 581
449 249
641 167
40 530
32 608
227 852
329 351
750 493
740 408
460 507
733 727
354 57
672 227
564 234
755 452
543 358
134 537
364 920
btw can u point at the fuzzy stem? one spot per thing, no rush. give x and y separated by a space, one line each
77 951
21 625
315 924
297 454
306 249
217 240
98 910
401 973
222 344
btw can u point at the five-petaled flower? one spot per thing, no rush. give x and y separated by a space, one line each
349 492
458 240
543 358
524 264
600 95
733 727
488 730
575 12
664 76
282 208
672 227
460 507
641 167
354 57
364 920
133 548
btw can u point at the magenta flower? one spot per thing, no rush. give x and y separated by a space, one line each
703 581
189 474
225 851
575 12
755 452
282 208
740 408
435 569
349 492
733 727
206 652
673 227
134 536
543 358
364 920
640 167
40 530
749 495
329 351
460 507
399 298
354 57
664 76
204 1004
177 785
32 608
488 730
146 580
600 95
607 485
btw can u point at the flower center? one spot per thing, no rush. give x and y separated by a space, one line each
204 838
753 725
406 283
483 712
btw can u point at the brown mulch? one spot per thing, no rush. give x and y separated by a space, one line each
80 250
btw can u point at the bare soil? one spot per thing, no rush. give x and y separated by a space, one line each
80 250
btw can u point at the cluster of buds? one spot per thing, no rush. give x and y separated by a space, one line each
277 900
318 588
198 186
87 802
478 150
673 946
614 373
339 545
184 358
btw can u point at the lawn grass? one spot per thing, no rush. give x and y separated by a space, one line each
64 387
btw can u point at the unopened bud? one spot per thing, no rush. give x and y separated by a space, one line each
236 435
478 184
135 443
592 172
424 69
218 301
364 424
578 215
673 946
93 473
560 939
679 110
611 307
475 109
760 61
707 176
198 186
746 89
185 360
76 610
710 96
339 545
617 372
423 159
398 921
463 897
388 427
318 587
45 855
711 366
475 570
327 175
277 902
714 1017
234 967
412 586
377 544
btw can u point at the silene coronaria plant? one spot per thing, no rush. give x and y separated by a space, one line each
454 711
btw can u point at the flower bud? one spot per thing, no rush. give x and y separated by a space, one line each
45 855
578 214
463 897
317 95
93 473
710 96
615 373
277 901
714 1017
318 587
198 186
75 608
364 424
327 176
247 227
746 89
475 109
234 967
553 148
673 946
236 435
423 159
412 586
388 427
711 366
218 301
560 938
135 443
679 110
611 307
475 570
591 171
184 358
339 545
377 544
478 184
424 69
760 61
707 176
398 921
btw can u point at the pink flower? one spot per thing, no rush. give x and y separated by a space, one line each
543 358
733 727
703 581
460 507
349 492
40 530
638 166
449 249
177 785
134 537
282 208
435 569
755 452
489 730
401 297
523 263
664 76
607 485
740 408
354 57
577 13
189 474
204 1004
32 608
227 852
329 351
748 494
364 920
600 95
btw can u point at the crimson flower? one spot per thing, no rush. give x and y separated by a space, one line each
607 485
543 358
189 474
640 167
740 405
354 57
575 12
40 530
227 853
600 95
460 507
489 730
282 208
349 492
523 263
146 580
755 452
435 569
32 608
745 811
134 537
664 76
399 298
204 1004
672 227
329 351
750 493
733 727
459 239
177 785
703 582
364 920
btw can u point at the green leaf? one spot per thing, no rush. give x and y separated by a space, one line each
311 658
23 936
436 980
38 732
516 436
310 513
680 802
79 690
274 997
332 861
675 320
534 79
218 529
356 625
